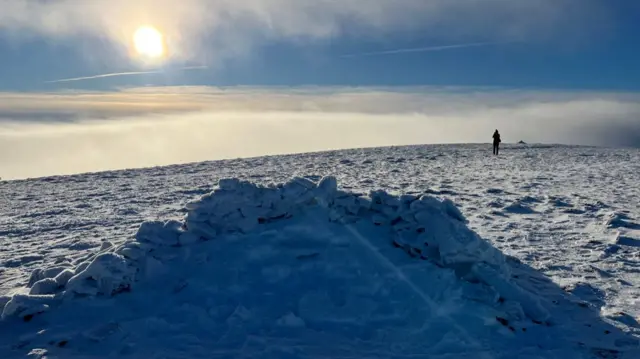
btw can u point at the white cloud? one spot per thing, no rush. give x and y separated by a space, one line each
213 29
159 126
370 100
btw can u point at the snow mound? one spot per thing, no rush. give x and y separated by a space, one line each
424 227
27 306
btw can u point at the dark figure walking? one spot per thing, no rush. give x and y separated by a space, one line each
496 142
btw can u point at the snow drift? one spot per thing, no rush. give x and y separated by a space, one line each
425 227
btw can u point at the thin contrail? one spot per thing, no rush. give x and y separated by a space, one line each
423 49
134 73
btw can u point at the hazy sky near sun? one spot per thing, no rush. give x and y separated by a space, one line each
81 84
531 43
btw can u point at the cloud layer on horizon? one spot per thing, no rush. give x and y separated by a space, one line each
159 126
67 106
210 30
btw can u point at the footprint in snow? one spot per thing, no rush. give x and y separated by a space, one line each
529 199
573 211
559 203
494 191
519 208
610 250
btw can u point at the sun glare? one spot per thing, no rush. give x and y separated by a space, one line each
149 42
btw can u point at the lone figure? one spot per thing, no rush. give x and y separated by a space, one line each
496 142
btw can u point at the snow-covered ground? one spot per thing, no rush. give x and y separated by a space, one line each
307 272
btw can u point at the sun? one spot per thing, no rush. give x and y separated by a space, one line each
149 42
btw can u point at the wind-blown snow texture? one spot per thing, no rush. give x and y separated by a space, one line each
384 265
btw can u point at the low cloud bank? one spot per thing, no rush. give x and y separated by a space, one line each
64 133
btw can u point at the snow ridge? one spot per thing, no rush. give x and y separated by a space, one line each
425 227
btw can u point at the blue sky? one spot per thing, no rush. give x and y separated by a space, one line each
285 76
586 44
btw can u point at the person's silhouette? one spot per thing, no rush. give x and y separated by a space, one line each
496 142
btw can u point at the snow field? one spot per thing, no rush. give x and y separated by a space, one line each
304 269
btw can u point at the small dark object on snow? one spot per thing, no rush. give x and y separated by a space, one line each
521 142
63 343
502 321
28 317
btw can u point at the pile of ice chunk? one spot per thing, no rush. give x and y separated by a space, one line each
424 226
